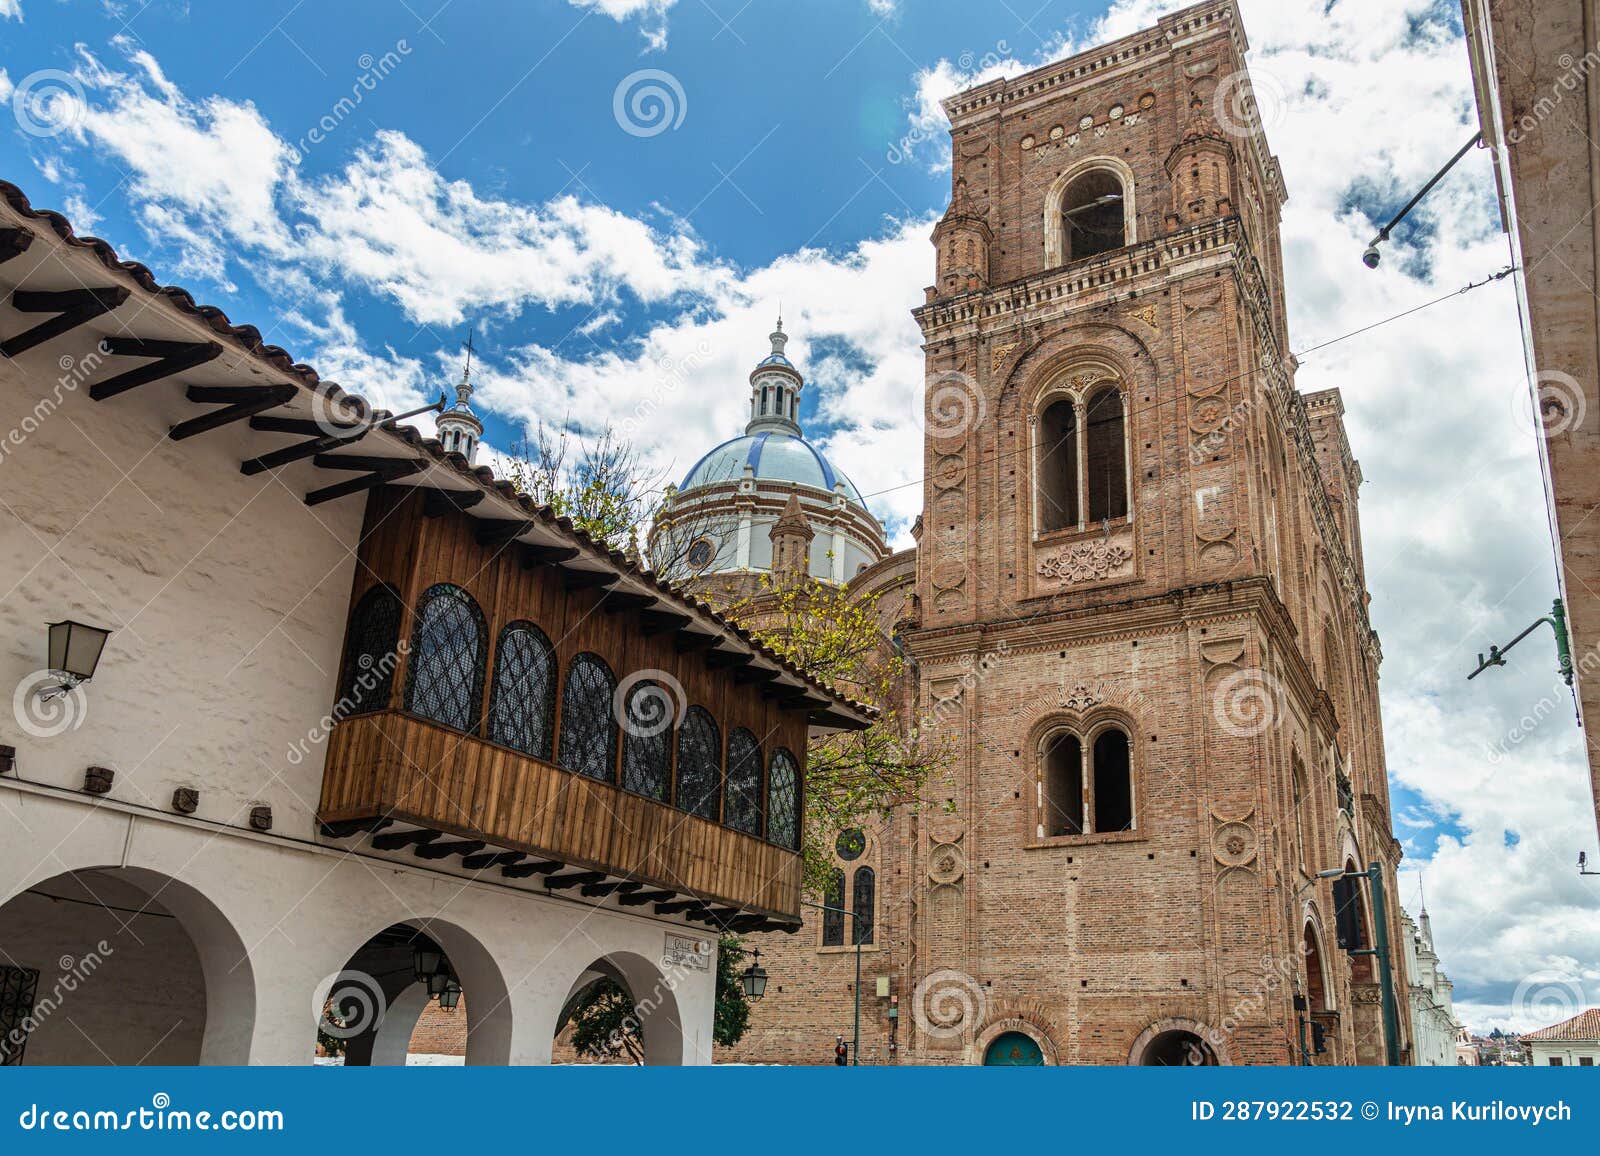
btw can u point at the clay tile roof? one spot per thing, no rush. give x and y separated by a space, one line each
248 337
1583 1027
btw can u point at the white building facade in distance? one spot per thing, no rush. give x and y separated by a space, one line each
1573 1043
1435 1031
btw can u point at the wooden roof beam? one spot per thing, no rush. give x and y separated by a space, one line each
72 308
168 358
399 840
617 601
588 579
436 502
523 870
453 847
237 404
661 621
579 879
400 468
14 243
536 554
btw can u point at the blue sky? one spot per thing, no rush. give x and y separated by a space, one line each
618 274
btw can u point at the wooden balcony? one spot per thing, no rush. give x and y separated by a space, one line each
390 765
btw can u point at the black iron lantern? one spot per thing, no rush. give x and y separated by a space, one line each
451 995
426 960
437 982
754 978
75 650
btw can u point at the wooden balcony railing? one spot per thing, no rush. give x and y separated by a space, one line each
393 765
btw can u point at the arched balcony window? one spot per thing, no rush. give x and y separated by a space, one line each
522 695
647 741
699 764
833 910
1085 791
783 800
741 808
588 738
1093 219
371 652
1080 461
444 673
863 903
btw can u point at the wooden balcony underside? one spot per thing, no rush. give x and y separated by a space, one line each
391 765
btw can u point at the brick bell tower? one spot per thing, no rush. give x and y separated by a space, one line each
1144 627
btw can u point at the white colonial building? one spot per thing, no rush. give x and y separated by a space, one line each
1572 1043
1435 1030
368 725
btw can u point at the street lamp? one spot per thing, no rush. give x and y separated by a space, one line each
754 978
450 995
426 959
74 655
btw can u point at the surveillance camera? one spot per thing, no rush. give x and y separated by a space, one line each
1371 257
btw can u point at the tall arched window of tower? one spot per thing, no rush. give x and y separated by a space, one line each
1080 459
1085 782
1089 210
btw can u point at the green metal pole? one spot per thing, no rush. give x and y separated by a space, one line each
1305 1049
855 1051
1380 921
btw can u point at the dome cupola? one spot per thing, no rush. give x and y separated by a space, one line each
459 428
775 386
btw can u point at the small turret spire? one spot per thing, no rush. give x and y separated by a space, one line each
459 428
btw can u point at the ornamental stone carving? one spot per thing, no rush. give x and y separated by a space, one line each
1085 561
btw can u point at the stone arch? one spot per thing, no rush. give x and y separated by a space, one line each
1162 1032
157 946
485 994
655 1003
1055 246
1321 992
1086 726
1021 1024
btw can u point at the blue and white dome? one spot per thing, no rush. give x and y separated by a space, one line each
771 456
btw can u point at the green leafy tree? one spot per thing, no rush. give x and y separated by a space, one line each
606 1024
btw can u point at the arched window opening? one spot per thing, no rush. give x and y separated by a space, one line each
371 652
1057 452
1062 786
1106 457
1178 1049
741 808
1113 782
1316 982
783 801
444 674
588 729
699 764
862 903
1092 215
522 697
833 910
647 741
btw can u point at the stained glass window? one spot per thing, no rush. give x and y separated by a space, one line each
866 895
444 674
699 763
833 910
850 844
647 741
588 727
783 801
742 807
371 652
522 698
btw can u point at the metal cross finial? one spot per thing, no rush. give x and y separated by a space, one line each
467 345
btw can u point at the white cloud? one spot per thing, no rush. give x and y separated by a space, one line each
6 86
651 15
10 10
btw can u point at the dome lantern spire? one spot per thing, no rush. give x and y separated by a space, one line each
459 428
775 386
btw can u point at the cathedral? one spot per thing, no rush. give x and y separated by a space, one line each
1136 609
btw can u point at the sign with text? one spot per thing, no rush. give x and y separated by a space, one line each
687 951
